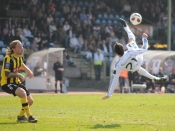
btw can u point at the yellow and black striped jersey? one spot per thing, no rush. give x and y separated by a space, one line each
11 63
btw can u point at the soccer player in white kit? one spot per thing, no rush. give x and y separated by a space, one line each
130 60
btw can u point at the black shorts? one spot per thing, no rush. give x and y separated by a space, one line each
58 78
11 88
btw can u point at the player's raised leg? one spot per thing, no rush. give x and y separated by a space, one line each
131 36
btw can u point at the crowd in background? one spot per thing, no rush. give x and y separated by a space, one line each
75 26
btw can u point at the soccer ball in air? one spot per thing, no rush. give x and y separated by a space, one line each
136 18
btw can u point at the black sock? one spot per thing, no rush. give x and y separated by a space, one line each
61 88
55 87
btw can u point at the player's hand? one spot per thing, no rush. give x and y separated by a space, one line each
144 35
105 97
60 69
30 74
21 77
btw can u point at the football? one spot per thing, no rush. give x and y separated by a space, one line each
135 18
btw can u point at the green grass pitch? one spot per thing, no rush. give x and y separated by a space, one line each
86 112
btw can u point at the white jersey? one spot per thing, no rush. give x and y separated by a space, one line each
131 61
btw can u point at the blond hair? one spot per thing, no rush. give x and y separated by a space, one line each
13 44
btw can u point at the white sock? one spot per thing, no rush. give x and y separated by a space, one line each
143 72
129 32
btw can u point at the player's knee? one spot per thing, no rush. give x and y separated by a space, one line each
21 93
31 102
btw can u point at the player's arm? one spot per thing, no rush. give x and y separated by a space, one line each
11 75
113 83
14 75
29 72
61 68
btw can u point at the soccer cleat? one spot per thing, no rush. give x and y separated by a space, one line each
122 22
161 80
22 118
32 119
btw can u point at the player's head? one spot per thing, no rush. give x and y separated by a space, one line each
16 48
58 59
119 50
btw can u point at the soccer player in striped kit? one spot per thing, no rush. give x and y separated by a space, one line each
130 60
11 79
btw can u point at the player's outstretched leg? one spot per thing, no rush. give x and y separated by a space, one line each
143 72
127 29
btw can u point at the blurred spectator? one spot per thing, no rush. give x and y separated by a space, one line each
13 30
17 36
83 16
66 9
62 36
10 22
44 42
99 39
24 5
95 35
150 83
69 61
40 14
108 28
33 27
109 46
74 20
19 29
38 70
130 78
69 36
49 19
44 24
126 9
59 24
53 29
78 28
23 23
85 50
87 21
5 30
159 74
98 61
122 79
66 26
51 40
92 44
8 37
73 9
74 44
81 42
170 84
33 14
37 38
103 48
69 19
15 22
43 8
34 46
96 27
27 33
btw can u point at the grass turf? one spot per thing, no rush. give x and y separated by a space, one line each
126 112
